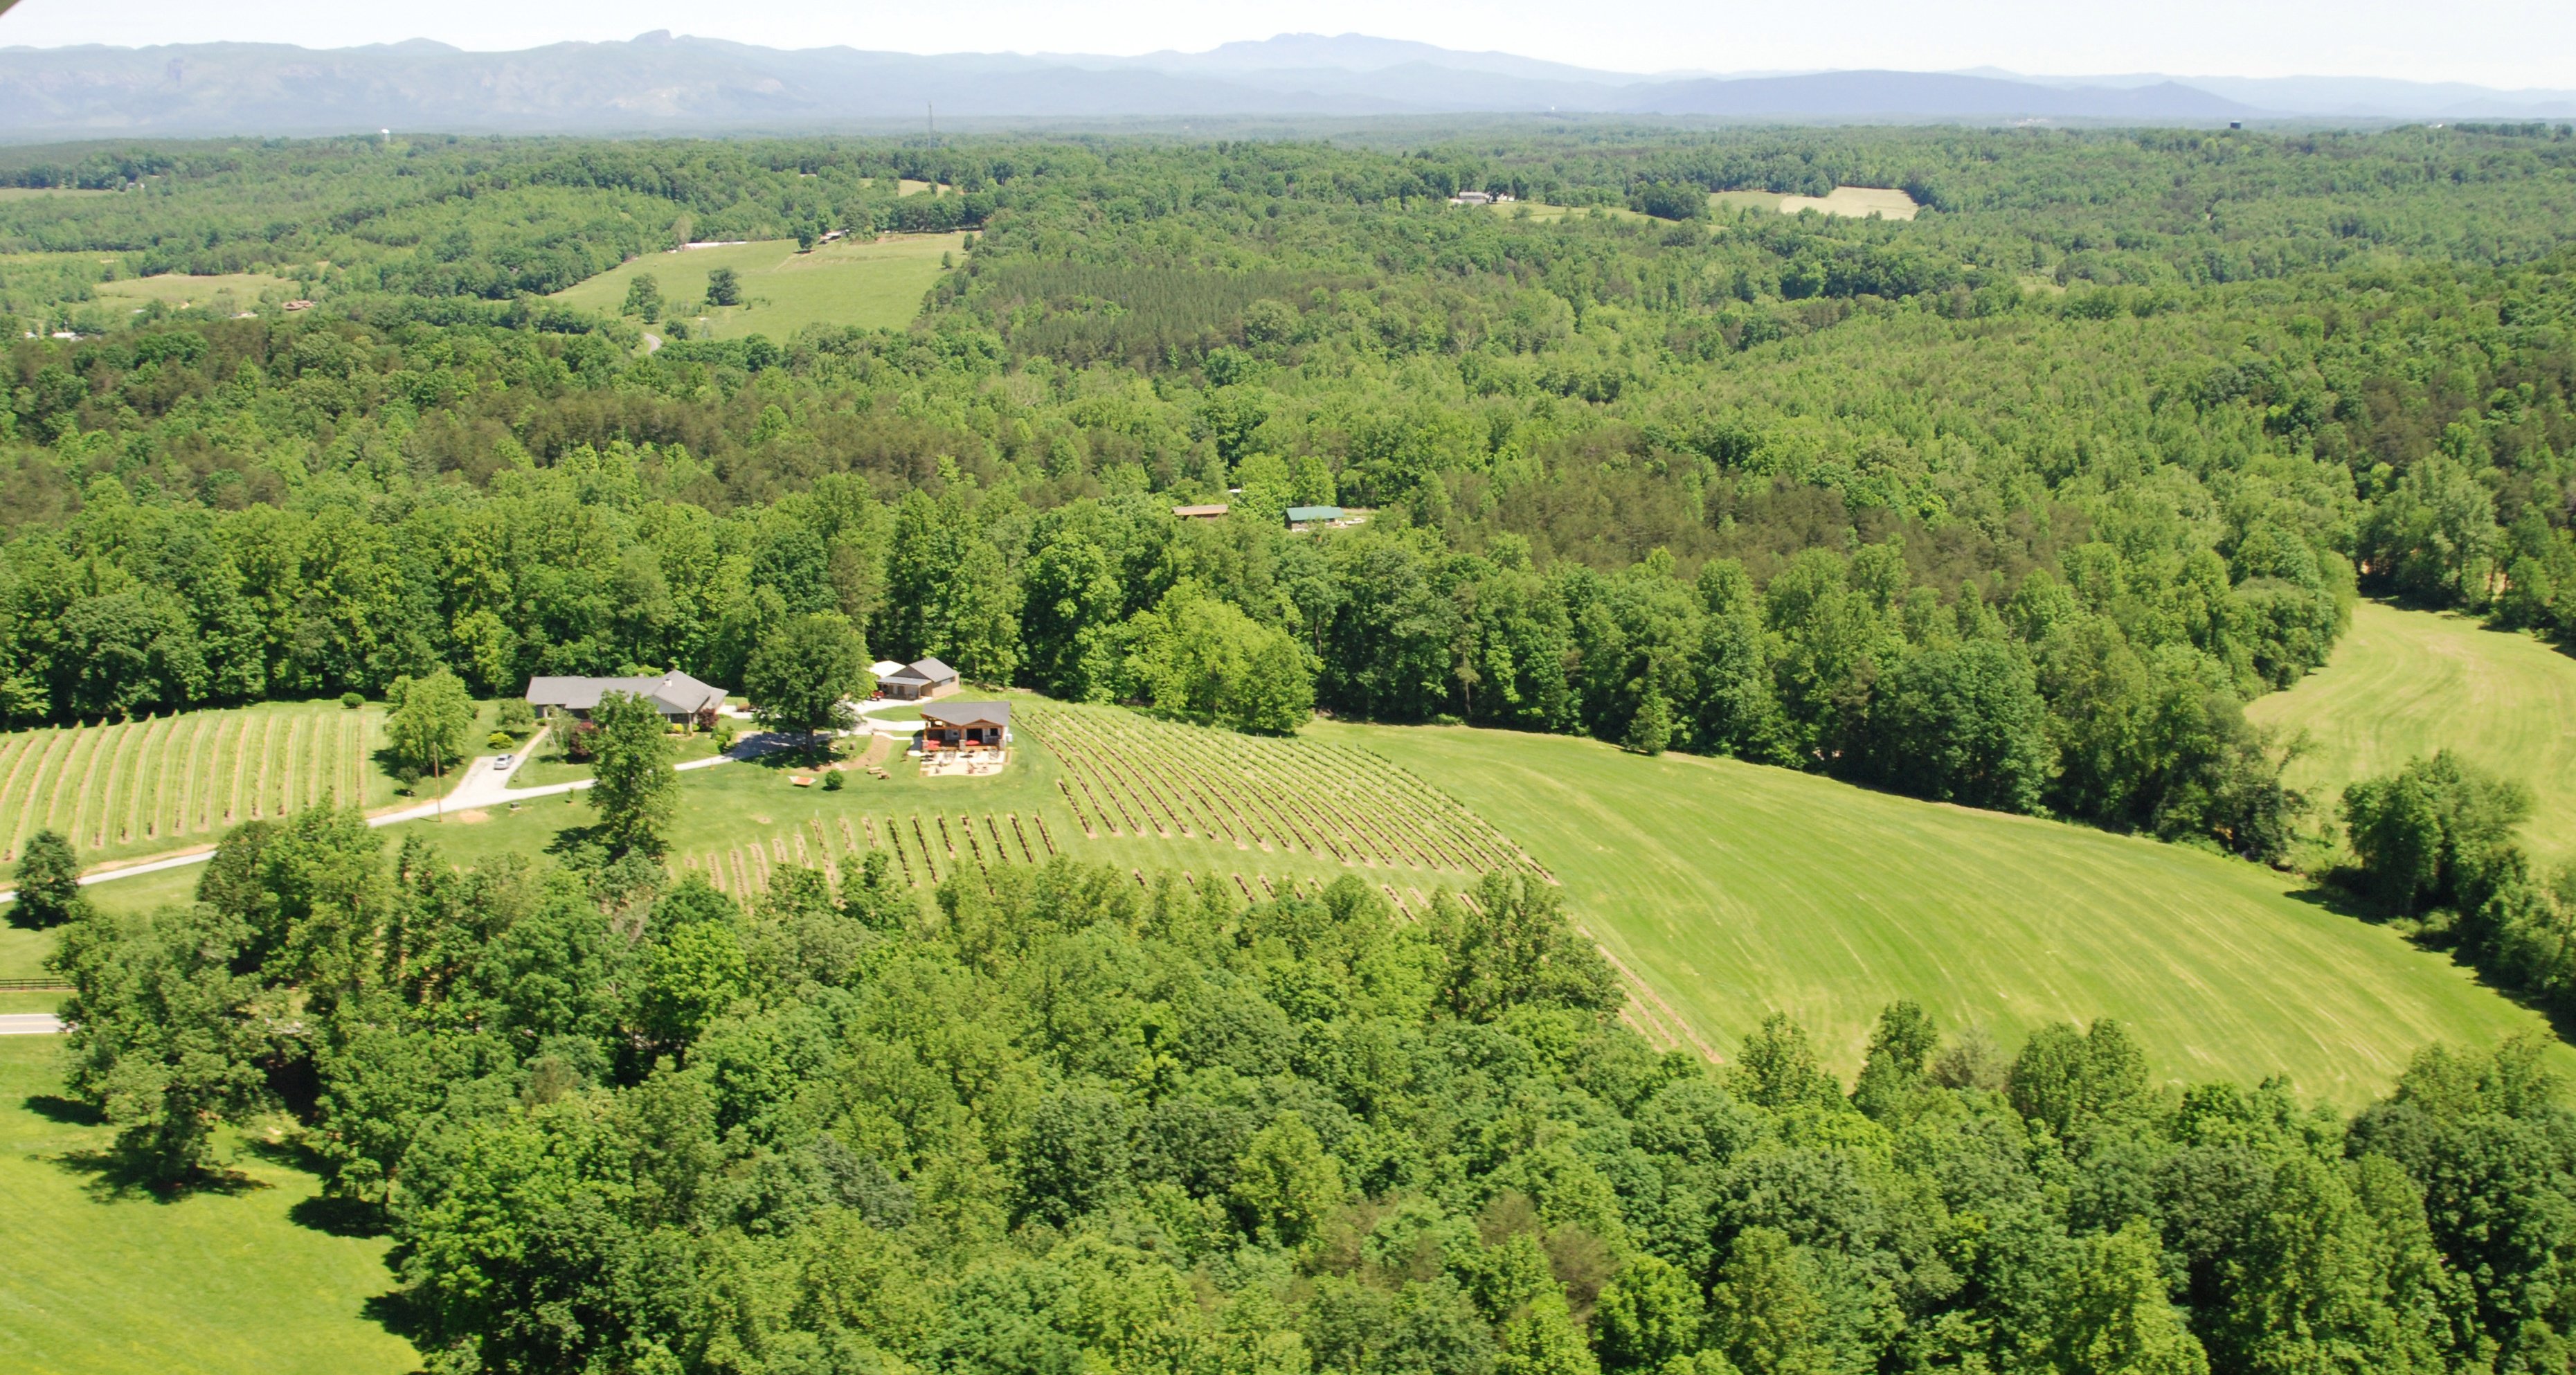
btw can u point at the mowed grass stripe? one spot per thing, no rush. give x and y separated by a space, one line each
109 1281
2409 683
1735 891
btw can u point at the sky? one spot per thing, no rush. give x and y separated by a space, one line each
2505 43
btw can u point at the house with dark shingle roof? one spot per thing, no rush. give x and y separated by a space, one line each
923 678
681 699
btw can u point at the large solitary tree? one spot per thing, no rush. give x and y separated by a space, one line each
634 788
48 882
430 721
805 674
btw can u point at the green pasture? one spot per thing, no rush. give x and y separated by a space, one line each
1733 891
2409 683
875 283
177 289
104 1279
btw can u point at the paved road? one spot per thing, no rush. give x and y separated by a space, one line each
478 785
30 1024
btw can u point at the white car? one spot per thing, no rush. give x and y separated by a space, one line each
503 763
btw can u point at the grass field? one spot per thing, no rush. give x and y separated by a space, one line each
104 1281
2408 683
874 283
1855 202
178 289
1730 891
140 787
1726 891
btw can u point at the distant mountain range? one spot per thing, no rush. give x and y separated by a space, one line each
660 84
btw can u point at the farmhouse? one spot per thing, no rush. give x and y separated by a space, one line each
965 726
921 679
681 699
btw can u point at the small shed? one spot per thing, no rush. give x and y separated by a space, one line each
1313 515
965 726
1213 512
923 678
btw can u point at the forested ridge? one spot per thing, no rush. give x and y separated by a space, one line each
2013 505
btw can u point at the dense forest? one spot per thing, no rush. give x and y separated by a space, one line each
2014 504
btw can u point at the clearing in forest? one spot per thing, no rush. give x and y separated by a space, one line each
874 283
2409 683
1730 891
125 788
1852 202
178 289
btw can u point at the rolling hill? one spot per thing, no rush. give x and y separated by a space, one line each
2408 683
1732 891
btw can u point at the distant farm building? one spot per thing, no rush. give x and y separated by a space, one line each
1215 512
965 726
681 699
913 681
1313 515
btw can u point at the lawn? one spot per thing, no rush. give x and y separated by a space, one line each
876 283
111 1280
2408 683
1732 891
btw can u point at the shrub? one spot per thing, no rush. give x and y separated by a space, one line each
517 717
499 740
352 701
835 781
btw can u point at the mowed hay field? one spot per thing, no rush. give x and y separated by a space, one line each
2409 683
103 1280
1732 891
131 788
1854 202
873 283
179 289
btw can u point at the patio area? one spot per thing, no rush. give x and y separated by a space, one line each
951 763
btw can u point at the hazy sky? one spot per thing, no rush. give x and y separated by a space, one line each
2493 42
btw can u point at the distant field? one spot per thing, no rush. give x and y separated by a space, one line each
2408 683
138 787
29 193
102 1281
877 284
1856 202
178 289
1732 891
1541 210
